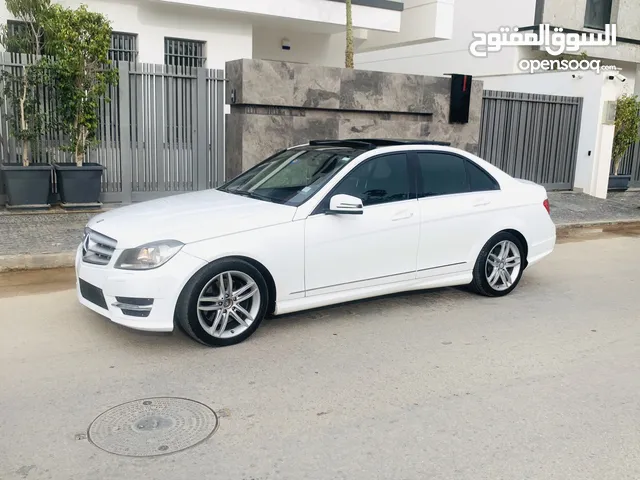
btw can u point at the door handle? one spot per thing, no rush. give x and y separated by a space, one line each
482 203
402 216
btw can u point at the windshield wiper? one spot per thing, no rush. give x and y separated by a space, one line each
253 195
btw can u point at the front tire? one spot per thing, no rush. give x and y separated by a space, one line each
499 266
224 303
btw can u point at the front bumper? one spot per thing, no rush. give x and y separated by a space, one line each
142 300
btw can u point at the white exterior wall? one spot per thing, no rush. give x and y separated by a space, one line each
225 40
596 139
305 47
452 56
234 29
628 69
319 11
421 19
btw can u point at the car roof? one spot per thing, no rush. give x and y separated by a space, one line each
373 143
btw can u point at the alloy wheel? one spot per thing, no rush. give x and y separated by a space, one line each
503 265
228 304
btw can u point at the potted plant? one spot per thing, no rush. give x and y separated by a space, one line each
27 181
626 134
79 41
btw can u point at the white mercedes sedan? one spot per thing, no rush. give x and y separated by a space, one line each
328 222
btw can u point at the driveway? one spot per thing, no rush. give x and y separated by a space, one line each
542 384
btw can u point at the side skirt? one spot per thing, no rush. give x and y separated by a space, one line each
307 303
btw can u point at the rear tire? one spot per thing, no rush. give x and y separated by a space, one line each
223 304
499 266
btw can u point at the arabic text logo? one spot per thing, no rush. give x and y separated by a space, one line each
555 42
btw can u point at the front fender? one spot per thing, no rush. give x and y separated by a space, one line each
279 248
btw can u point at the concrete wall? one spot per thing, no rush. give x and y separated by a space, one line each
570 14
628 18
565 13
275 105
624 13
596 139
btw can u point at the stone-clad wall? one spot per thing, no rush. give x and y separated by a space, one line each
275 105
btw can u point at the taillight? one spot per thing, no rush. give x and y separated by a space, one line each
546 205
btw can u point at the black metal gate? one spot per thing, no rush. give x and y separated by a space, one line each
531 136
630 165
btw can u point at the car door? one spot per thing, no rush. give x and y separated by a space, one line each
344 252
456 199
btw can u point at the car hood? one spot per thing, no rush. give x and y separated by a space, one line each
188 218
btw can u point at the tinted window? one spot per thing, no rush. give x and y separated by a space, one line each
480 180
380 180
442 174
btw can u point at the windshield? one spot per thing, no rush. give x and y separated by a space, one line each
293 176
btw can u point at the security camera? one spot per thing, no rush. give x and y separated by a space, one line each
577 75
618 76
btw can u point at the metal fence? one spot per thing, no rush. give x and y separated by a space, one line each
161 133
533 137
630 165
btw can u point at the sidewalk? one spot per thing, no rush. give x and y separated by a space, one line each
572 209
48 240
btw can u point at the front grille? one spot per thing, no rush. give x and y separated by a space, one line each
92 294
97 248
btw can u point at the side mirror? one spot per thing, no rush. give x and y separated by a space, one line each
346 204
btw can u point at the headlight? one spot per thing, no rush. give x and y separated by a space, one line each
148 256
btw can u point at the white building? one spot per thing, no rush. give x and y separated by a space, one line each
210 32
501 70
452 56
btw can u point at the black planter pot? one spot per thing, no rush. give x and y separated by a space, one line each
27 187
79 186
619 183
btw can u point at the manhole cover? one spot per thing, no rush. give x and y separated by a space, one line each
153 426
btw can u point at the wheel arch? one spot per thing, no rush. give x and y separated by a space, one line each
511 230
523 240
264 271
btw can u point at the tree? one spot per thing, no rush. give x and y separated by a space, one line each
79 40
627 124
29 35
349 49
21 85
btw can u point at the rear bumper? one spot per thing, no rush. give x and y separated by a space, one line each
541 250
142 300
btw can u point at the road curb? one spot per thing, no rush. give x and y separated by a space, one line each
568 227
43 261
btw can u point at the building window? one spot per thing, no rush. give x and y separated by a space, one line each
598 14
124 47
20 39
183 53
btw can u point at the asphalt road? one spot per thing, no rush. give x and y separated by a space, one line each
542 384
